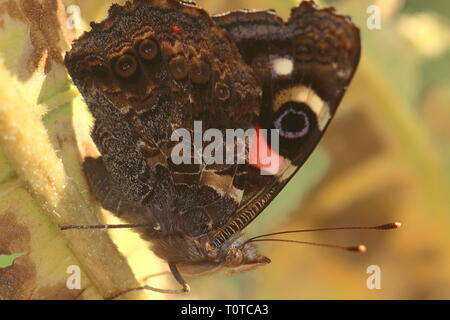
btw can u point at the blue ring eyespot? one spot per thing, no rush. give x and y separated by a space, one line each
298 115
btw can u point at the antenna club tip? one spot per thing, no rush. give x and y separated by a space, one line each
389 226
396 224
362 248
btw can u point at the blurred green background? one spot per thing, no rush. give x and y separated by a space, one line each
386 157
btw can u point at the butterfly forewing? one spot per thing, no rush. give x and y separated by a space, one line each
304 66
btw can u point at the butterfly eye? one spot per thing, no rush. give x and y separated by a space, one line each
200 72
178 67
292 122
222 91
126 66
235 257
148 49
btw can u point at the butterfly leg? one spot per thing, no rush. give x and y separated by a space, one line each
176 274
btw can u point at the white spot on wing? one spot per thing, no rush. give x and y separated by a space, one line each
282 66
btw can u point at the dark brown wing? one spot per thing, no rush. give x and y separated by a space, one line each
304 67
150 68
159 65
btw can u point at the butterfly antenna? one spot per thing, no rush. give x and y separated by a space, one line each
359 248
388 226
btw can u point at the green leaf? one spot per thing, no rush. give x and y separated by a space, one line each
8 260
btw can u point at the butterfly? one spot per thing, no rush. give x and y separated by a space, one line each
154 67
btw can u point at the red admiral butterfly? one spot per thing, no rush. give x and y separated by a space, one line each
155 66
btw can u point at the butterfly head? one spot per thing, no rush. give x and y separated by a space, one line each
235 255
238 255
